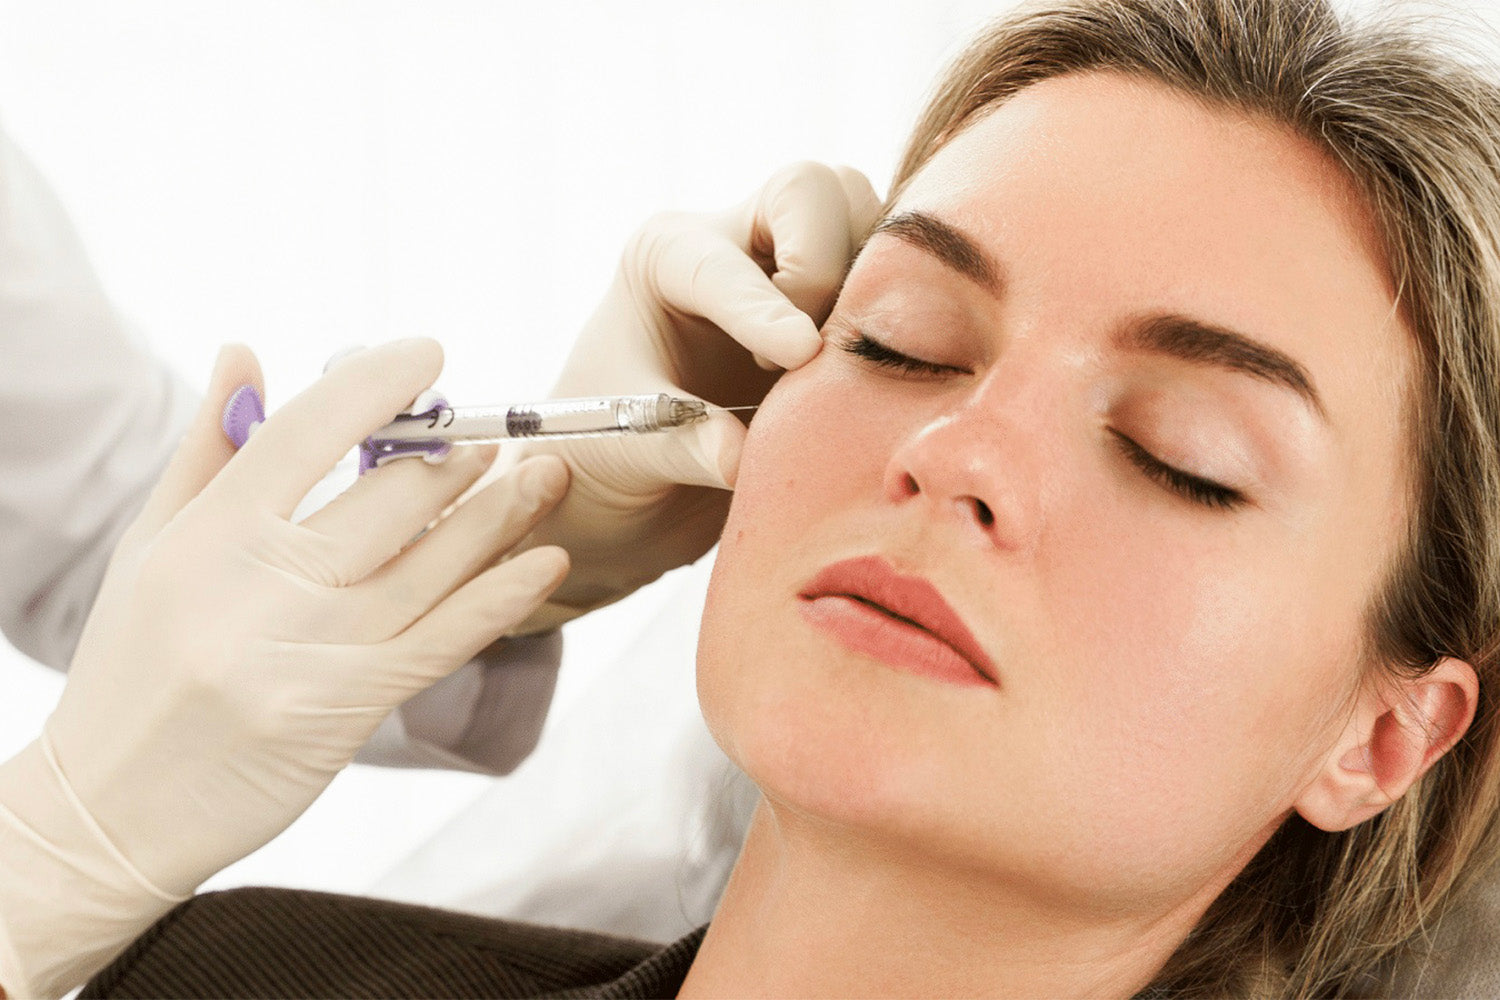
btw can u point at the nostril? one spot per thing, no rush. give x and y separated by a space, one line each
912 489
983 513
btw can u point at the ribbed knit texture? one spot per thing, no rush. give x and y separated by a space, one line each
292 943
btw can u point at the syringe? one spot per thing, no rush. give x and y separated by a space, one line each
430 426
596 416
436 426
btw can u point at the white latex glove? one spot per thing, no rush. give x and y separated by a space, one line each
234 661
697 301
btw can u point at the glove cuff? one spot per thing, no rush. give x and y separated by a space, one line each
72 901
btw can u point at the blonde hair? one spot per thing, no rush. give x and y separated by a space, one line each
1418 129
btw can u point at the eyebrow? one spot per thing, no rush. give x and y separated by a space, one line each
949 245
1206 343
1180 337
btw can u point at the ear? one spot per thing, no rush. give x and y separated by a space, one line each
1399 728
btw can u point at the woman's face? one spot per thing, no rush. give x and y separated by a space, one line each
1138 670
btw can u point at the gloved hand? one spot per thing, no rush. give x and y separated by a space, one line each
235 661
702 305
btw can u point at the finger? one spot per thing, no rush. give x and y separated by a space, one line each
704 453
478 613
204 449
370 522
703 273
299 443
340 355
483 528
710 455
802 218
865 206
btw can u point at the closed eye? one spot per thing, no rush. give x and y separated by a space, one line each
869 349
1185 484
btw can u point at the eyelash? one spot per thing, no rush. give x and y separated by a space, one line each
867 348
1194 488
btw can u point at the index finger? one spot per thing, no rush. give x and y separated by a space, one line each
302 441
700 272
801 219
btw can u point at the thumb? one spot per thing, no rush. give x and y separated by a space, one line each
706 453
205 449
640 469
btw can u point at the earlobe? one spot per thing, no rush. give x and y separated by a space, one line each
1398 730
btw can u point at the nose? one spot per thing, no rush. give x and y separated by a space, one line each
978 466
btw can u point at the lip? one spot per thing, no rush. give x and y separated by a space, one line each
901 620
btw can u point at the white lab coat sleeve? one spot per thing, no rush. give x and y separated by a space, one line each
88 418
486 717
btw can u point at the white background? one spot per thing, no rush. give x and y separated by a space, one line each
301 175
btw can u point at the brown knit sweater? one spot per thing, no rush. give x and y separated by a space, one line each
293 943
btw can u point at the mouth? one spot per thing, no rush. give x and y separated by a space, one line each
903 621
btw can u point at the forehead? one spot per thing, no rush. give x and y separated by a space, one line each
1108 149
1100 194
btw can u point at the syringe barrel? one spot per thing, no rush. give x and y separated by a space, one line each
576 417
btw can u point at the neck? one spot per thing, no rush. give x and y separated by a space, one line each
808 913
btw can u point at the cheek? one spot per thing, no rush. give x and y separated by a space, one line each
821 433
1208 672
816 450
818 447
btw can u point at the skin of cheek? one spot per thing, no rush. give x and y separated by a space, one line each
1142 682
1208 687
755 661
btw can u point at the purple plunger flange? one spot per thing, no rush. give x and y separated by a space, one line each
374 452
242 414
